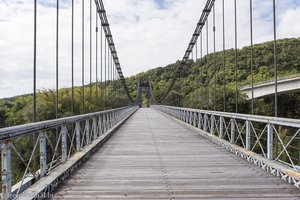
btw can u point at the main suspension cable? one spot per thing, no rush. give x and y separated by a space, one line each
105 25
207 9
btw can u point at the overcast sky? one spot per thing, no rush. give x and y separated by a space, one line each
147 34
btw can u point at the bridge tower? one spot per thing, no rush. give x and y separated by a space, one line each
144 87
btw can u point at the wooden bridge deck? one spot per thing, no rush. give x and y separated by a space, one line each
153 157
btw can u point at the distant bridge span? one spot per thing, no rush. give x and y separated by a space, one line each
266 89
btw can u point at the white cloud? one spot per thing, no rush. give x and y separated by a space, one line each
145 35
288 26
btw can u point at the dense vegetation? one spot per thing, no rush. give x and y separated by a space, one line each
19 109
200 87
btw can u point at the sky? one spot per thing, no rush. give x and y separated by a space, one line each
147 34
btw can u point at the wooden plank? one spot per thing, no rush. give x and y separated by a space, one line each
153 157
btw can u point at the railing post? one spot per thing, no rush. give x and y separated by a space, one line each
270 142
64 145
180 115
199 120
6 169
205 123
43 154
99 126
221 127
77 132
114 118
117 113
195 118
95 130
110 120
104 123
87 131
187 116
212 124
107 121
248 135
232 139
190 117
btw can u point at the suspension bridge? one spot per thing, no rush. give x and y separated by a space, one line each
124 151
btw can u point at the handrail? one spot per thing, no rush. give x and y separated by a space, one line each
21 130
256 118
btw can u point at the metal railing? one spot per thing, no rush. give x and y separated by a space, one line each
275 140
56 141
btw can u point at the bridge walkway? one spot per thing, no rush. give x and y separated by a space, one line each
153 157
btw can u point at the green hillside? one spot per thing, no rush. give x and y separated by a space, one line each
197 87
19 109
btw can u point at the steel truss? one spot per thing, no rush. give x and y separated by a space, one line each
105 25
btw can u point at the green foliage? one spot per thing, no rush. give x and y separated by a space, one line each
19 110
201 83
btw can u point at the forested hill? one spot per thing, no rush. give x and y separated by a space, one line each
199 86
